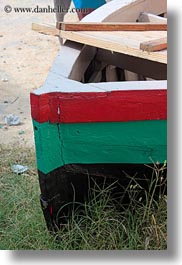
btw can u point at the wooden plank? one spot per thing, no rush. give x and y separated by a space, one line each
73 54
130 76
87 26
147 68
147 17
45 29
121 42
116 106
129 11
120 11
154 45
115 142
64 100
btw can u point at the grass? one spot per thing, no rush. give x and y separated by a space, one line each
98 225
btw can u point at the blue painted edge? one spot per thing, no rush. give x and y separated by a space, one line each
88 3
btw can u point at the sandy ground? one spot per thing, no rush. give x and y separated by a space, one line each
25 59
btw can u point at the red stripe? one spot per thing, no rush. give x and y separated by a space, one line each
100 107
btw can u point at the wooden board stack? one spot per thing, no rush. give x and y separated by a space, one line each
83 125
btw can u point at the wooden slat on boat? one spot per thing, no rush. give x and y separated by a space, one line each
154 45
125 42
88 26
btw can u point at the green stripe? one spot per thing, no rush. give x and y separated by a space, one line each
92 143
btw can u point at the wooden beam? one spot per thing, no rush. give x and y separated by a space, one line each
154 45
45 29
102 102
73 60
131 76
146 68
129 11
121 42
103 26
124 11
147 17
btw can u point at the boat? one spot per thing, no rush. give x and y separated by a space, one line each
103 106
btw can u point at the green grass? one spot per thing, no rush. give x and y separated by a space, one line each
100 225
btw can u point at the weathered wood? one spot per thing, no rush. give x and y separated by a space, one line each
104 26
94 72
123 11
45 29
154 45
121 42
131 76
111 74
147 17
147 68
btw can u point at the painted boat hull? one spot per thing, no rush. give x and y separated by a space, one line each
78 150
122 124
92 133
138 142
86 132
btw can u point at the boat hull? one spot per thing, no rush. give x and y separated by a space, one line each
137 142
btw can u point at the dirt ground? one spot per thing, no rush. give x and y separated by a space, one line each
25 59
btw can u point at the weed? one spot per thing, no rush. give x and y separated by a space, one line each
101 223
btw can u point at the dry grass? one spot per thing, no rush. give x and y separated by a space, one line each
99 225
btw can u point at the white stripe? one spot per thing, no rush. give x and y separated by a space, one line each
57 83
